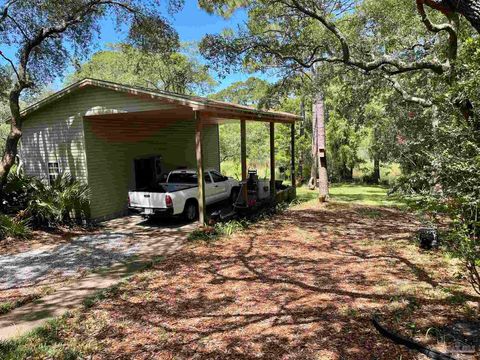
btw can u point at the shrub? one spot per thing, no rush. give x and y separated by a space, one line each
64 201
12 227
16 193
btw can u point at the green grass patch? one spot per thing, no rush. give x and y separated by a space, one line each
374 195
109 292
6 307
42 343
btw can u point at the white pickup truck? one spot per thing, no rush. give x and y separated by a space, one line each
179 194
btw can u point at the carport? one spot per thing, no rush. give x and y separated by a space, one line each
215 113
92 128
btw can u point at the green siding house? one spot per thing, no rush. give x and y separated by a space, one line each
94 130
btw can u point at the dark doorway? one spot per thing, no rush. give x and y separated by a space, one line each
148 172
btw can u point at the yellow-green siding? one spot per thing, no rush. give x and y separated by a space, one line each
110 164
58 132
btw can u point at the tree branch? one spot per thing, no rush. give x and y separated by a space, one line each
405 95
5 9
401 66
18 26
11 64
450 28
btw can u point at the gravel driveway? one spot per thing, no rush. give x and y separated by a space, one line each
83 253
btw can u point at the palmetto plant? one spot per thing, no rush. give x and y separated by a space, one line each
16 194
13 227
63 201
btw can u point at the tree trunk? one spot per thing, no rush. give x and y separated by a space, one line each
312 184
322 179
11 144
376 170
320 148
346 174
301 157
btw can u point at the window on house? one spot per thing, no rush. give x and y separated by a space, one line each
53 171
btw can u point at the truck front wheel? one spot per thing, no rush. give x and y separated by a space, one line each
190 213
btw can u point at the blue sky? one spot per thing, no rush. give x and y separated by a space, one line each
192 23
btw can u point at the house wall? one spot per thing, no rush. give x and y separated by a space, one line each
55 134
58 133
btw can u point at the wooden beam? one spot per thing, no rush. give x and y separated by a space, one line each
272 162
202 208
243 158
222 115
292 150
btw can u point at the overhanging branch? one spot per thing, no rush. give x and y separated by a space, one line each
4 11
450 28
386 60
406 96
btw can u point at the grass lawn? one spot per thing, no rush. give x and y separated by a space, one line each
374 195
301 285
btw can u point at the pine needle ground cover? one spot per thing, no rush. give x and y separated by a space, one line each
301 285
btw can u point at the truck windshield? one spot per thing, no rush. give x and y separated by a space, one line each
183 178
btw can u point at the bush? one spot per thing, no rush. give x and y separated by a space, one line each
16 193
12 227
64 201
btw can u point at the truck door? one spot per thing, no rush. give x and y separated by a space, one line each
209 189
219 186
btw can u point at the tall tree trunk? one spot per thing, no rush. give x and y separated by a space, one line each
11 144
301 157
376 170
320 149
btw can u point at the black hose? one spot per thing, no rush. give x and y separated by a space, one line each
412 345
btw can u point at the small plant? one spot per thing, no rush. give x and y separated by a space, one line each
64 201
13 227
6 307
203 233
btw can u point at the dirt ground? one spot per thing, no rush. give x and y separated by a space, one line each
303 285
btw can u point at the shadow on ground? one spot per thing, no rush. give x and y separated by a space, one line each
301 286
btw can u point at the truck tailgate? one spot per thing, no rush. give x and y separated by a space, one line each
145 199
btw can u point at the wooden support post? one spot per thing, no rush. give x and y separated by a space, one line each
243 156
292 150
272 161
202 209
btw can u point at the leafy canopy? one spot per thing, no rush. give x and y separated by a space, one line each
125 64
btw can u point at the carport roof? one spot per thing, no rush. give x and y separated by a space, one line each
211 108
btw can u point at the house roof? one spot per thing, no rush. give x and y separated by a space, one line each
214 108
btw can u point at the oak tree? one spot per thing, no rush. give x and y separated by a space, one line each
42 35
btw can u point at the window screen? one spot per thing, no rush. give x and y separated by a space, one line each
53 171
